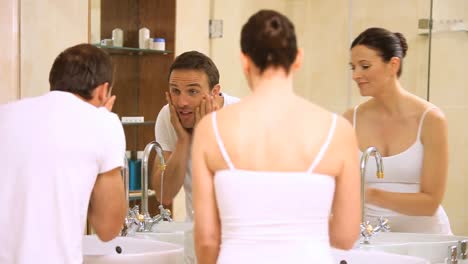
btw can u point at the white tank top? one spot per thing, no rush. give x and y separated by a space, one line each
403 174
273 217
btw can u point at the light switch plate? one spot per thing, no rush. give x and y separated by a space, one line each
216 28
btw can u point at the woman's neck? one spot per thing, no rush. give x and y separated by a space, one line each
391 101
272 82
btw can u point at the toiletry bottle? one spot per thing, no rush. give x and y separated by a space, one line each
117 37
143 36
134 168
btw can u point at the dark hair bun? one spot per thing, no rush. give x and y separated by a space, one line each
403 43
268 38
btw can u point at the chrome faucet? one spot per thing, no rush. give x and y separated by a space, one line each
367 231
164 214
126 178
380 174
143 222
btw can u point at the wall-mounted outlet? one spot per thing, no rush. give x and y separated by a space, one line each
133 119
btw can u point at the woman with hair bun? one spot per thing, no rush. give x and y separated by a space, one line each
275 177
409 132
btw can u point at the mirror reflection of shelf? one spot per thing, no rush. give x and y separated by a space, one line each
138 123
441 25
131 51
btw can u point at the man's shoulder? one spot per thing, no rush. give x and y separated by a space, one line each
164 114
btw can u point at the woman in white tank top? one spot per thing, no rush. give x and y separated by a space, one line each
410 133
270 170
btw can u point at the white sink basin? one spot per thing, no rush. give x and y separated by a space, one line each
174 238
179 233
172 232
170 227
357 256
399 238
431 247
132 250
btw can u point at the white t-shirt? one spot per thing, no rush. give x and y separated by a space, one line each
52 148
166 136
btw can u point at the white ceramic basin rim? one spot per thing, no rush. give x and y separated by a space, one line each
122 250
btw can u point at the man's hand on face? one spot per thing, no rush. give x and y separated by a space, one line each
207 105
175 121
110 103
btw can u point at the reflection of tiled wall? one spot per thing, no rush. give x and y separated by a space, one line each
322 29
47 28
325 30
449 91
225 51
9 72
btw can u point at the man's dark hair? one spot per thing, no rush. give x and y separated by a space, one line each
80 69
194 60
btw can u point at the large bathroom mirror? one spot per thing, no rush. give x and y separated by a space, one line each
435 65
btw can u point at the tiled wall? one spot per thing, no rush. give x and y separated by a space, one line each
47 28
9 52
449 91
325 30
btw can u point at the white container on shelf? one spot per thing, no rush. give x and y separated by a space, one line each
158 44
107 42
117 37
143 37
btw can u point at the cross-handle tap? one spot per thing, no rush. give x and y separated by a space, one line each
164 215
132 222
367 231
463 249
383 225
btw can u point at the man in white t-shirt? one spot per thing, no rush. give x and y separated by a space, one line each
60 160
194 91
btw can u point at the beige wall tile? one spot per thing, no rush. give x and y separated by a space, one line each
95 21
9 52
192 26
325 77
449 81
449 90
47 28
457 182
225 51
